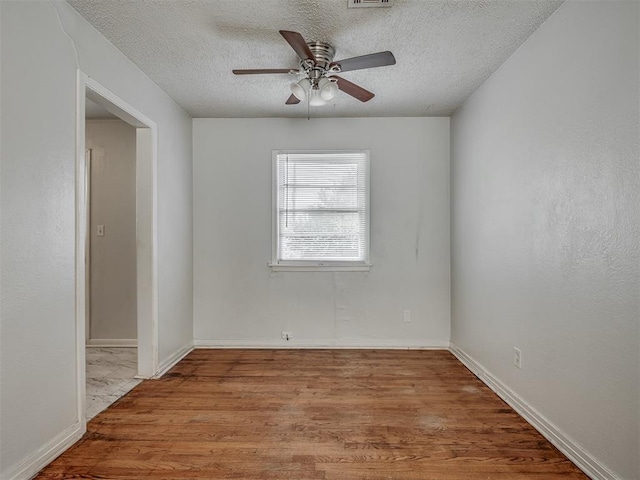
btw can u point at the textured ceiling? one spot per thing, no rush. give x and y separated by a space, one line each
444 49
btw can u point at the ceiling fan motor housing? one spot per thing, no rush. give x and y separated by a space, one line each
323 53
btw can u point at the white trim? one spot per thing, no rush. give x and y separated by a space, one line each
81 234
112 342
146 252
168 363
283 267
114 104
87 87
467 361
35 462
365 344
87 246
574 452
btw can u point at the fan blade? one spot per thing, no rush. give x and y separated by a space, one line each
292 100
263 70
354 90
379 59
298 43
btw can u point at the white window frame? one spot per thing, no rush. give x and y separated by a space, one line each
310 265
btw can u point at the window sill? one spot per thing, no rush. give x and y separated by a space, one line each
279 267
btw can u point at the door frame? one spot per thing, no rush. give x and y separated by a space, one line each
146 231
87 253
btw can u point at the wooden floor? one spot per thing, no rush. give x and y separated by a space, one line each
313 414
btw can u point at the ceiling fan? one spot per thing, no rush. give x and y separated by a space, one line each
320 82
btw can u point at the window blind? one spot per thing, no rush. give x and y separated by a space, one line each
322 210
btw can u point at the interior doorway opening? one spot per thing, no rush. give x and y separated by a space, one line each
116 245
111 287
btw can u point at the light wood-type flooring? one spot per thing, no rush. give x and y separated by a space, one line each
313 414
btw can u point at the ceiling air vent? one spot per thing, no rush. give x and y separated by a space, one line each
369 3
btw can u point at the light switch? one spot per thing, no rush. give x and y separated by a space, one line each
100 231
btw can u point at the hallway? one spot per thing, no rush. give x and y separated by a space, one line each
110 375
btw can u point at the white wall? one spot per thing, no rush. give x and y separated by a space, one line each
545 205
42 45
113 300
239 301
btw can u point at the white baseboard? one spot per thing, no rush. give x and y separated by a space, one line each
328 343
168 363
112 342
583 460
35 462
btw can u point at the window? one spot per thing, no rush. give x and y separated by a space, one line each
321 210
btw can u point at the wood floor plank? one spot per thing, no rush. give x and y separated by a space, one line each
313 414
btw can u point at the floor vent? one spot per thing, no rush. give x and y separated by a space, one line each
369 3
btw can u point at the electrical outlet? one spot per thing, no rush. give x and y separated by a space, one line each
406 316
287 335
517 357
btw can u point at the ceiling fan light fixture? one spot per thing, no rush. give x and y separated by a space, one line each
301 88
328 88
315 98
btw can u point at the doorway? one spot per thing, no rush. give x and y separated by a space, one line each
111 308
131 343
